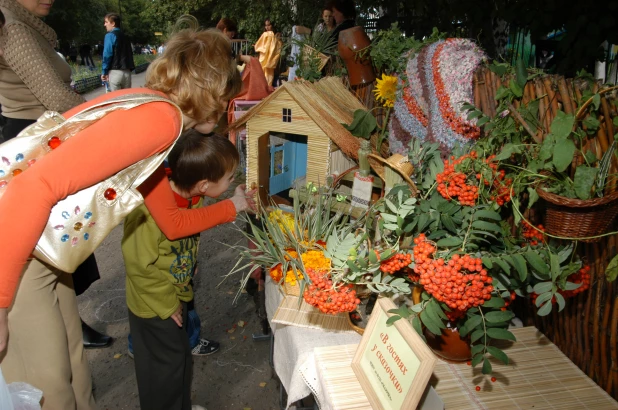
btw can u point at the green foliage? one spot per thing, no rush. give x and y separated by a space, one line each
308 59
547 164
611 272
388 48
396 210
363 124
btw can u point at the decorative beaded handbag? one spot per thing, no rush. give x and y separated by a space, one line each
80 222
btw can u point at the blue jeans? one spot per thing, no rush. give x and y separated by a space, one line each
194 326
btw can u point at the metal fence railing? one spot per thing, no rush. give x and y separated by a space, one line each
242 47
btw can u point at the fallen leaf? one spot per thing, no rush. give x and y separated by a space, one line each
247 408
242 323
117 355
232 338
230 293
232 330
263 384
244 337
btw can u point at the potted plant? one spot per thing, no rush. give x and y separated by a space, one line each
315 51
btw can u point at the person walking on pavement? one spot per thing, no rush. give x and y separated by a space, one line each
117 55
85 52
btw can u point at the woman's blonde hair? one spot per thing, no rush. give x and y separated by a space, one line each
197 71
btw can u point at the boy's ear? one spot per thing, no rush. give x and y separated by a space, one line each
202 185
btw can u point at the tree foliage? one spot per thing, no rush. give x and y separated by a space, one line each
585 24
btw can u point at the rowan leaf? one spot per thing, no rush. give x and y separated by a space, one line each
486 366
498 354
501 334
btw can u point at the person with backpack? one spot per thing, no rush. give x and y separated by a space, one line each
117 55
38 307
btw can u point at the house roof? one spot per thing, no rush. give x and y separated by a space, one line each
327 102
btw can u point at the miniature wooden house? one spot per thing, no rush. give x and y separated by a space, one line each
295 134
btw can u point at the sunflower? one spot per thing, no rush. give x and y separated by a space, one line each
386 90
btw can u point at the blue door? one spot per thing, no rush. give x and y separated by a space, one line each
288 161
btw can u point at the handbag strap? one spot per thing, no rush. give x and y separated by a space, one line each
58 125
136 99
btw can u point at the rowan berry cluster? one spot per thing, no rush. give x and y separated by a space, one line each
396 263
413 276
322 294
460 283
531 235
582 276
452 184
508 301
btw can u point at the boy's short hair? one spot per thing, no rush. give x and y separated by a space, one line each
113 18
227 24
196 157
198 72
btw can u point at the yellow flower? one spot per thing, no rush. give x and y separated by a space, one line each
386 90
283 219
315 260
291 278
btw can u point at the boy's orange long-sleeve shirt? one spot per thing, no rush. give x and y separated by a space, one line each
118 140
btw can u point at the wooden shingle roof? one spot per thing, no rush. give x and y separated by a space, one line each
327 102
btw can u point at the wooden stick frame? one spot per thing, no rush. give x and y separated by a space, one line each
413 351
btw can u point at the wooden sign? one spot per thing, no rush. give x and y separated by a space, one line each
393 364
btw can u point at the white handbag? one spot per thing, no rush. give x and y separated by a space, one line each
80 222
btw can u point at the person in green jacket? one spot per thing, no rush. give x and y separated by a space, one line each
159 272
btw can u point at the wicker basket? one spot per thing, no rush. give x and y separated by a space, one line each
308 50
576 218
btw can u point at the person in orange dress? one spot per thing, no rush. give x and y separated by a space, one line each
269 47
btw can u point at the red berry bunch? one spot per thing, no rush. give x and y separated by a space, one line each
460 283
508 301
453 184
581 276
413 276
423 250
396 263
323 295
531 235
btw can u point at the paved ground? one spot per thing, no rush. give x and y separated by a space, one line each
237 377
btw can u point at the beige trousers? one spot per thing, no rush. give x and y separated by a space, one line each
119 79
45 347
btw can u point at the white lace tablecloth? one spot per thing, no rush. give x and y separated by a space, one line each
293 350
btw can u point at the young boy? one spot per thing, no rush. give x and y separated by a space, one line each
159 273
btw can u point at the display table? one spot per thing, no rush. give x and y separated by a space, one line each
293 350
539 376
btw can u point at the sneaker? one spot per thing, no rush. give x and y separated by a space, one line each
195 406
205 347
130 353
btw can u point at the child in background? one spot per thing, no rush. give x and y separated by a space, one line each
159 273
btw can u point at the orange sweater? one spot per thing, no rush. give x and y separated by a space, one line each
111 144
